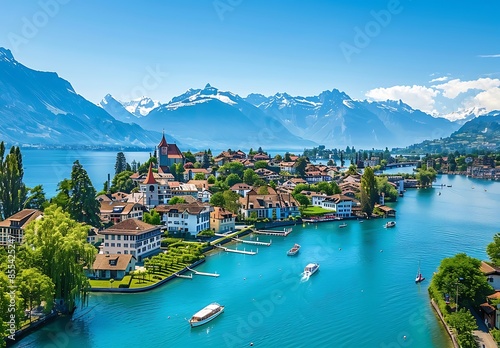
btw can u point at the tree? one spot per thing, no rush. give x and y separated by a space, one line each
383 186
121 163
152 218
217 199
62 197
260 164
13 191
189 157
464 322
342 162
231 201
143 168
302 199
263 190
300 166
353 170
462 272
249 176
287 157
176 200
35 288
272 184
325 187
36 198
122 182
278 158
211 179
59 246
82 205
493 250
232 179
425 177
369 193
199 176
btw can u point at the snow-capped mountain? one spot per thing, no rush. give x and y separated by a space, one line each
461 116
116 109
42 108
334 119
212 118
141 106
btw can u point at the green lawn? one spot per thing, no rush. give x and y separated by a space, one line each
107 284
314 210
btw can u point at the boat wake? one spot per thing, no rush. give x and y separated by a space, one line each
305 278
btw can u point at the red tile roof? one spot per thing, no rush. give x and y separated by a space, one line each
150 179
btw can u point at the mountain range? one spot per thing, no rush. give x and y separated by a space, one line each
42 108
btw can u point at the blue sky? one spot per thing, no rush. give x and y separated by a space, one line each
369 49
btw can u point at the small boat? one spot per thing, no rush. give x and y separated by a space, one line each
343 225
310 269
208 313
419 278
390 224
294 250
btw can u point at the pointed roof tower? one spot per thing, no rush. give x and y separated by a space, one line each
163 142
150 179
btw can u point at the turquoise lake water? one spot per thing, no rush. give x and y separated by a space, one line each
364 294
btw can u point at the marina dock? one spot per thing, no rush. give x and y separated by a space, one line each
184 276
237 251
285 232
254 242
203 273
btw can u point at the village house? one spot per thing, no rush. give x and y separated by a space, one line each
288 167
112 266
189 218
241 188
190 173
267 174
489 311
271 206
222 220
133 237
116 211
13 227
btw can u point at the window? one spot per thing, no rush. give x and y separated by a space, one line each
112 245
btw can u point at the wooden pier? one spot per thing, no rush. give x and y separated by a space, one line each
285 232
253 242
203 273
237 251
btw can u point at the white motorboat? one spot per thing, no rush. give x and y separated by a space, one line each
310 269
390 224
208 313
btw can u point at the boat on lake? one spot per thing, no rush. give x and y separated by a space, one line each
208 313
310 269
343 225
294 250
419 278
390 224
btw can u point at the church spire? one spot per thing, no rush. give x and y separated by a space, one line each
150 179
163 142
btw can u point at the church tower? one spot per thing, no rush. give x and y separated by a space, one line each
168 154
150 188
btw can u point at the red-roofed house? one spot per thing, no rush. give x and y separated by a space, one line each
12 228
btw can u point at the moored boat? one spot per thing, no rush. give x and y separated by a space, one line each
390 224
419 278
343 225
208 313
310 269
294 250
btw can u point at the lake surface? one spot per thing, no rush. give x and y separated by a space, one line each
49 167
364 294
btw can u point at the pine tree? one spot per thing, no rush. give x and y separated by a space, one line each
369 193
13 191
83 206
121 163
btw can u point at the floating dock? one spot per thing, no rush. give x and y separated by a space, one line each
285 232
237 251
254 242
203 273
184 276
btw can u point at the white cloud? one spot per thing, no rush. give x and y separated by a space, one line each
453 88
418 97
489 56
490 99
439 79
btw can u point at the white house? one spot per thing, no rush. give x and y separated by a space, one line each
189 218
241 188
132 236
340 203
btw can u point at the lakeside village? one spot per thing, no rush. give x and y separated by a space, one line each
155 221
